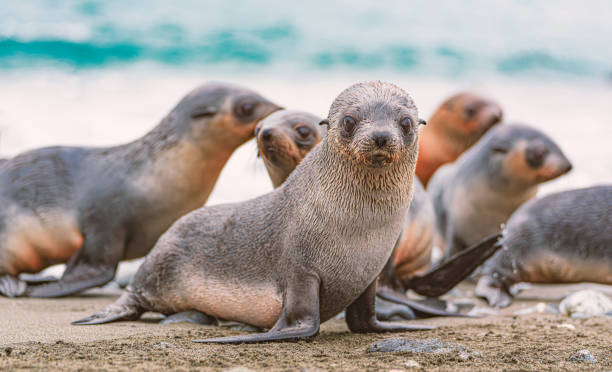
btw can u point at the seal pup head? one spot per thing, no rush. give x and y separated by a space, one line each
518 156
465 117
284 138
222 112
375 124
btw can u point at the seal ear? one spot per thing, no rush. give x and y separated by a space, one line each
204 111
324 122
422 122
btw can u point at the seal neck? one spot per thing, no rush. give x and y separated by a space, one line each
178 159
361 190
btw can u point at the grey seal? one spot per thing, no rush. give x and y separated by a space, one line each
92 207
564 237
473 196
299 255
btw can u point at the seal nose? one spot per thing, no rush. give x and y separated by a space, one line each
535 155
381 138
266 134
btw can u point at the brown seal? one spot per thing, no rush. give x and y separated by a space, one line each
92 207
476 194
295 257
283 140
564 237
455 126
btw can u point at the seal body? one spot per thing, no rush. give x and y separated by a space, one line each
94 207
299 255
475 195
564 237
455 126
283 140
412 255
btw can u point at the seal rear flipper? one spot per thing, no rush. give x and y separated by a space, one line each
37 278
126 307
361 316
495 293
420 310
11 286
83 277
387 310
299 319
92 266
456 268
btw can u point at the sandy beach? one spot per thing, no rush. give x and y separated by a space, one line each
36 335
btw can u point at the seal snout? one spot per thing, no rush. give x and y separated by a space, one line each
381 138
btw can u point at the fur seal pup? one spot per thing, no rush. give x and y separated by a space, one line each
93 207
283 140
282 148
297 256
564 237
476 194
455 126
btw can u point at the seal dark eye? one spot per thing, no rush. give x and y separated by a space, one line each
349 123
303 131
245 109
406 124
470 111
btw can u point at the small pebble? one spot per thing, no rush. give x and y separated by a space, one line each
583 356
482 311
585 304
164 345
238 369
412 364
541 308
567 325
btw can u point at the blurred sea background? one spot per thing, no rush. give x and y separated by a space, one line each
99 73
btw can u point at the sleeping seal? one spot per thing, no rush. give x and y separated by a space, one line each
297 256
92 207
455 126
476 194
561 238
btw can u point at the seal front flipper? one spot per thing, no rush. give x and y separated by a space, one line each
127 307
11 286
87 268
361 316
449 273
299 319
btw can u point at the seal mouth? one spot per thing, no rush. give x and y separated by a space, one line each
380 159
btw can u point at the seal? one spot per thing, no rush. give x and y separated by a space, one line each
564 237
473 196
282 147
457 124
93 207
283 140
297 256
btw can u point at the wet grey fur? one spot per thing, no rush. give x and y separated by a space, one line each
571 228
477 193
124 197
320 238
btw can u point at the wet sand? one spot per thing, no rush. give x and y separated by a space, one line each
36 334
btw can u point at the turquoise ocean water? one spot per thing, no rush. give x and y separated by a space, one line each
438 38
